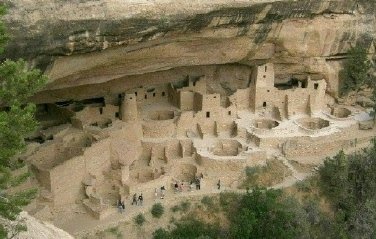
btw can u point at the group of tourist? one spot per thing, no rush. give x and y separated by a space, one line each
137 200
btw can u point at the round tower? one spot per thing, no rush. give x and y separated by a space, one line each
128 108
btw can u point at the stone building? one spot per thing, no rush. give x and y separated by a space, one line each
155 135
285 100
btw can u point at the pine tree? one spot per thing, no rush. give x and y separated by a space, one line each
17 120
356 70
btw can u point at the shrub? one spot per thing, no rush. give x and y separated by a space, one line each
183 206
207 201
304 186
157 210
189 228
210 204
160 234
228 200
261 209
114 231
139 219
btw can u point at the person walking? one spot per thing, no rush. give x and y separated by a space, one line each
155 194
134 200
120 206
219 184
140 199
163 192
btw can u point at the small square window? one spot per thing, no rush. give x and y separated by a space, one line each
229 113
153 94
146 96
163 93
207 114
264 104
135 93
316 86
101 110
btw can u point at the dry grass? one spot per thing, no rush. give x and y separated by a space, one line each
272 173
308 189
302 168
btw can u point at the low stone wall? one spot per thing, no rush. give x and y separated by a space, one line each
159 129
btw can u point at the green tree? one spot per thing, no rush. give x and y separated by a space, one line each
266 214
356 70
17 120
349 181
3 35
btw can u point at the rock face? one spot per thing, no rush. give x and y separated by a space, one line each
37 229
87 46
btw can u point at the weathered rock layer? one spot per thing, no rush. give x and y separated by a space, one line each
87 46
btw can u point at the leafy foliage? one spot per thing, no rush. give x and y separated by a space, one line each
349 181
3 35
17 84
139 219
264 214
188 228
183 207
356 70
157 210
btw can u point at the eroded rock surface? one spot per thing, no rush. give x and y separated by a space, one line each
87 44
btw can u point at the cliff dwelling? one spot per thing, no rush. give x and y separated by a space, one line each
93 151
182 101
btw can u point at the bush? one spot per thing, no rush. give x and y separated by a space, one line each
210 204
139 219
207 201
114 231
229 200
304 186
161 234
157 210
183 207
189 228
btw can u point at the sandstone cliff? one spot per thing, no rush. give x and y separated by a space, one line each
88 46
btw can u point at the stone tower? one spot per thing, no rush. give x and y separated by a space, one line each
261 86
128 108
